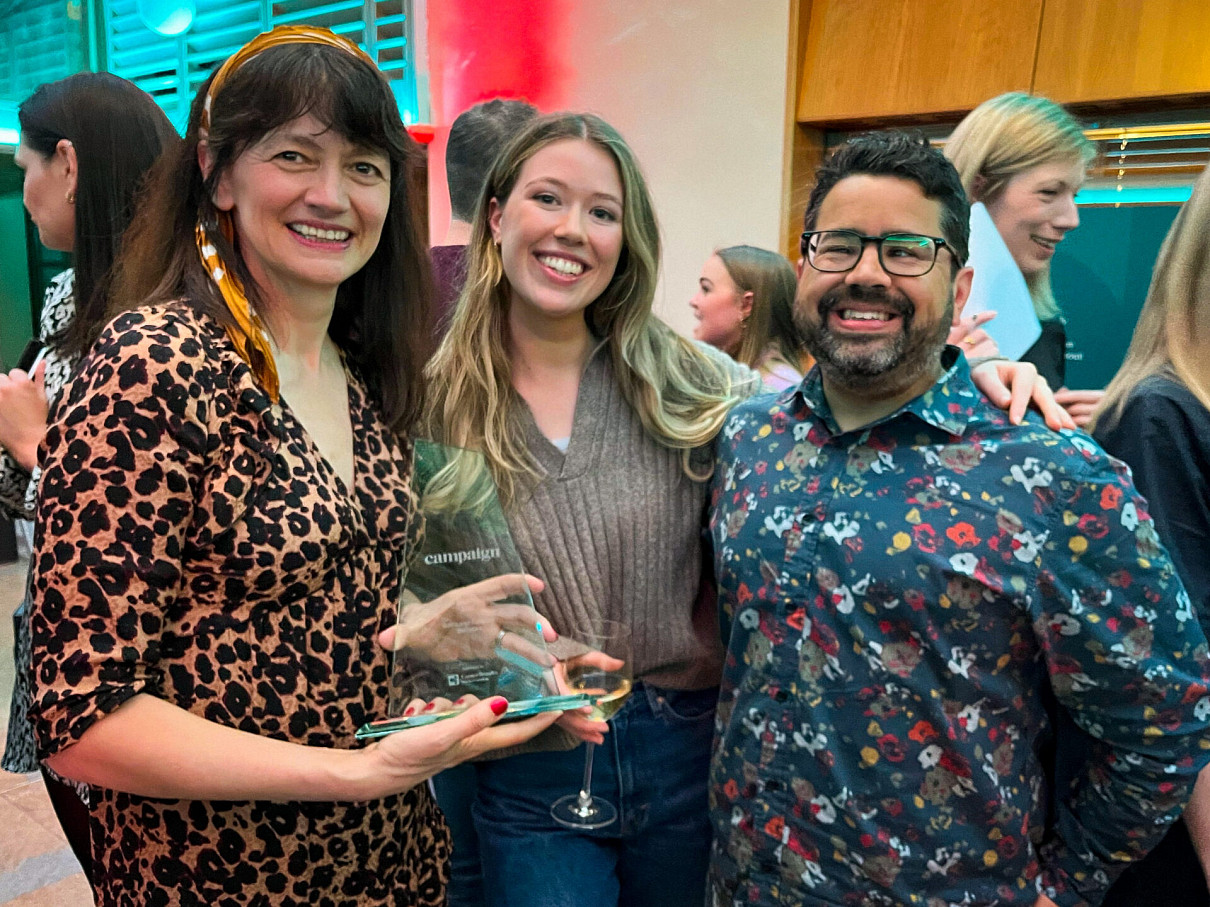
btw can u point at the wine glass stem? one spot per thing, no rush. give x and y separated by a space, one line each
586 787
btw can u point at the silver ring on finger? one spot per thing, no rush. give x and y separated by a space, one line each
500 638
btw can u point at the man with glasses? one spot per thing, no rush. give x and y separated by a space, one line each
961 668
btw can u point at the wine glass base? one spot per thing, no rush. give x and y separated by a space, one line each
596 814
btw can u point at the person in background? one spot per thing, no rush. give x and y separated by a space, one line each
1156 416
86 143
598 423
1025 158
476 137
744 307
225 508
961 669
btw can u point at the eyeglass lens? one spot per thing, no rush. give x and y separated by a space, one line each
904 254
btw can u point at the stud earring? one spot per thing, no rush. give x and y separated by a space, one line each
71 196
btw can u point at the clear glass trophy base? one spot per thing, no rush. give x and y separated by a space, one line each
516 711
577 811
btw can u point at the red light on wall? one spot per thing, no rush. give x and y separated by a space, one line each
422 132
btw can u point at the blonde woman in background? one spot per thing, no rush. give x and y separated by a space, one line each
1025 158
745 306
1156 416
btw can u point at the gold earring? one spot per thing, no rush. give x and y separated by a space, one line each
71 196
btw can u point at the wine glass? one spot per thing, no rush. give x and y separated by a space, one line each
604 671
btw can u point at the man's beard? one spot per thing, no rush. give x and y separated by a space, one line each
859 362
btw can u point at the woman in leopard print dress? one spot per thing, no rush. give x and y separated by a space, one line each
226 507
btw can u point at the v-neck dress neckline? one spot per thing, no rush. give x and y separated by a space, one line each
347 490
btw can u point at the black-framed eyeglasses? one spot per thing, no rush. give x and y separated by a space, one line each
902 254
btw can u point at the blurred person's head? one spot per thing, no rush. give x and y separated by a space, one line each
86 143
745 305
1172 335
477 136
887 231
1025 158
338 210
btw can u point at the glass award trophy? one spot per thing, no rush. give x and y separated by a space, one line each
467 624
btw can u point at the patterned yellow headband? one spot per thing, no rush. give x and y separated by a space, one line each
248 333
283 34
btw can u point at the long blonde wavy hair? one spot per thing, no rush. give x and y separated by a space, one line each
1172 336
681 395
1006 136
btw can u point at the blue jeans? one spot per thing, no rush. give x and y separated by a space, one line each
652 767
455 789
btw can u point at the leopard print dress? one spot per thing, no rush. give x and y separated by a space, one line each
194 545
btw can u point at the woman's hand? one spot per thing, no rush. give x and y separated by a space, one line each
23 414
1012 385
468 623
401 761
578 722
1080 405
968 335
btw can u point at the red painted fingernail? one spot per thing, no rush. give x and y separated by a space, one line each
499 705
428 708
410 710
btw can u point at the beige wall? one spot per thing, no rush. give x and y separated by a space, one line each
698 89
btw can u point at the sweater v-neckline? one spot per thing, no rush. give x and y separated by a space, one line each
578 457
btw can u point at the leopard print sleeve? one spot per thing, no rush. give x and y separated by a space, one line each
122 465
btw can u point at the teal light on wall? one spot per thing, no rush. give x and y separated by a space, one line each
9 125
1135 195
167 17
168 47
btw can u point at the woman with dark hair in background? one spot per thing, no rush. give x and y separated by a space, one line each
226 506
1156 416
745 307
86 143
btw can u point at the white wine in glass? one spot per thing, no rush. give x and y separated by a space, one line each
605 672
608 689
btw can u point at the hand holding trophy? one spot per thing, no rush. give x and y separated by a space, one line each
482 625
466 628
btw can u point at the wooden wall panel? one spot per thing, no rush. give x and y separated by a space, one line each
804 146
1094 50
879 59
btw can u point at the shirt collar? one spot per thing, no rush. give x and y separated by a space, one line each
950 405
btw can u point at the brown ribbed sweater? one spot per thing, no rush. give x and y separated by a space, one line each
613 527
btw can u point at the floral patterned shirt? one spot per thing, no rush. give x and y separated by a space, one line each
961 667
